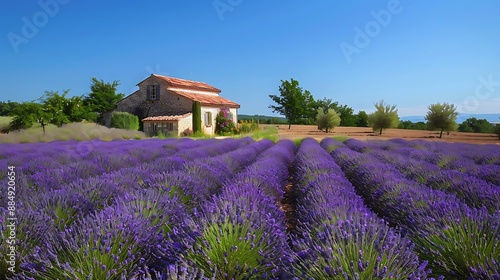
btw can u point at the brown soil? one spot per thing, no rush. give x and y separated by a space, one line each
366 133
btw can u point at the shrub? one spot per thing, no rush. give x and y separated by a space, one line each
497 130
106 245
224 123
196 116
327 120
164 135
187 133
248 126
124 120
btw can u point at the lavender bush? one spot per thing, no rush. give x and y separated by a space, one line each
465 242
222 209
339 238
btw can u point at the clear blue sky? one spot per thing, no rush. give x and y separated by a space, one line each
426 52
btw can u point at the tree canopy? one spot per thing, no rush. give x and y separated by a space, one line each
102 98
476 125
385 116
362 119
497 130
442 116
293 102
328 120
59 109
25 115
7 108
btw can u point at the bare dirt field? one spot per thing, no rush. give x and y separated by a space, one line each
366 133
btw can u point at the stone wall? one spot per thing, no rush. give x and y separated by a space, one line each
168 104
185 123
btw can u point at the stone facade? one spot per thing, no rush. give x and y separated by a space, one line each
168 128
168 102
185 124
154 99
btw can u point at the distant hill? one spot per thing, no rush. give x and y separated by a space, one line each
460 119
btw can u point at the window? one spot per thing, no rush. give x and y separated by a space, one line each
167 126
208 118
154 127
153 92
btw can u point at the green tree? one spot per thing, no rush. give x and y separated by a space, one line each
54 107
25 115
76 110
309 107
196 107
102 98
347 115
385 116
411 125
328 120
324 104
293 102
497 130
475 125
7 108
362 119
442 116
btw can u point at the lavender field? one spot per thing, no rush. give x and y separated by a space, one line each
245 209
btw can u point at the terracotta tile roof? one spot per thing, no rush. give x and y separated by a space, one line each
208 100
181 83
167 118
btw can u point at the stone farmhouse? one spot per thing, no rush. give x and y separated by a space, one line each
165 104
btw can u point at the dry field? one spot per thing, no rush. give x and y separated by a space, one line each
365 133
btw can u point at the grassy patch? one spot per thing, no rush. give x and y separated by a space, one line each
340 138
298 141
4 122
202 135
72 131
268 132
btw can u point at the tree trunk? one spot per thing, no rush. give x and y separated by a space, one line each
289 124
43 127
441 134
380 131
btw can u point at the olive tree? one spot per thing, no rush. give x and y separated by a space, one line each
385 116
442 117
328 120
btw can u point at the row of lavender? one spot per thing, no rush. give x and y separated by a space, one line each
338 236
191 209
454 225
186 209
472 190
481 161
116 209
242 230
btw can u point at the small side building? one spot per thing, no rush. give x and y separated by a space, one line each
165 104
